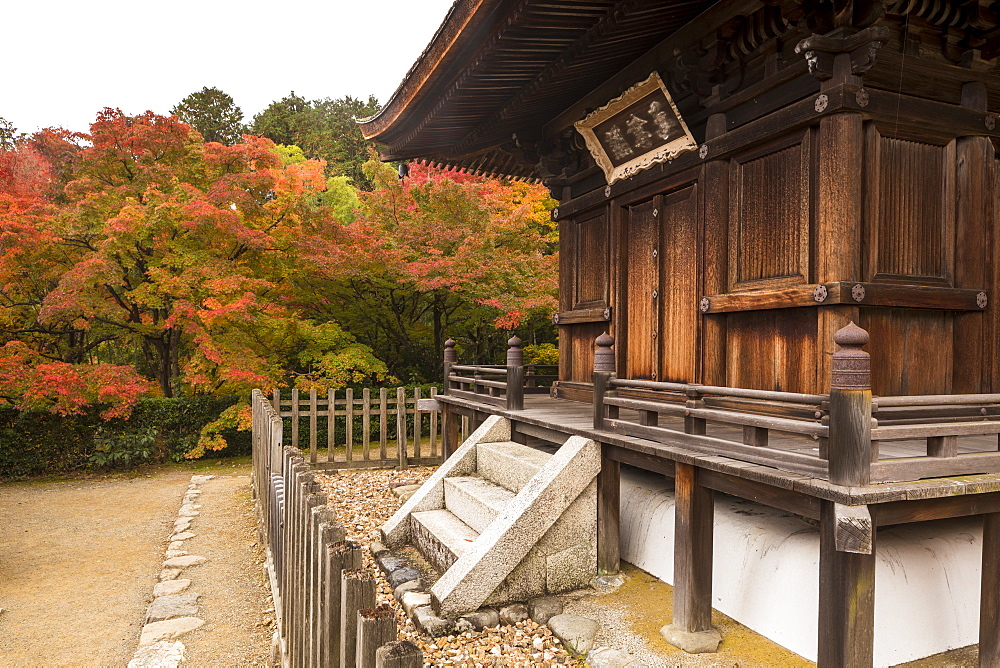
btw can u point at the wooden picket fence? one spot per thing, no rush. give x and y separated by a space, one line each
324 602
406 435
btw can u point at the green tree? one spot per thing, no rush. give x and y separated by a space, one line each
8 135
212 113
324 129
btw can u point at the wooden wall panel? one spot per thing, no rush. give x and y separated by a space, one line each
591 261
567 270
772 350
911 350
769 232
679 269
910 210
640 243
579 341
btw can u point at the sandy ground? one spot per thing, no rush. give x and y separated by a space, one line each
78 560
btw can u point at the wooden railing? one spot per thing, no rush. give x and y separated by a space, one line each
848 428
496 385
689 412
406 435
324 604
939 421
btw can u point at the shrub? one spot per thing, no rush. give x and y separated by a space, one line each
36 442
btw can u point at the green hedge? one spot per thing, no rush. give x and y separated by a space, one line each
36 442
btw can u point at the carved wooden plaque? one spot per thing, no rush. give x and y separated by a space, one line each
640 128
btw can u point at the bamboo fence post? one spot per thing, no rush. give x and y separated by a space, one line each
416 423
401 427
331 425
330 533
399 654
357 592
295 418
434 425
313 411
376 627
349 423
341 556
383 428
366 421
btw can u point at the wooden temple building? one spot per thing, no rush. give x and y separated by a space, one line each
738 182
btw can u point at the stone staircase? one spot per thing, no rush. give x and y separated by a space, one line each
504 522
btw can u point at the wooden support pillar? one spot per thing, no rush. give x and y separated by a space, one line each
975 343
694 514
989 601
846 598
449 431
715 191
608 514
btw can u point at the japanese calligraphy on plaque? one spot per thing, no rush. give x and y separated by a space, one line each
640 128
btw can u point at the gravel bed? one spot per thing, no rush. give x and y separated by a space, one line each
364 500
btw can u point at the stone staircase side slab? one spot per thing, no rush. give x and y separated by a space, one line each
499 550
430 496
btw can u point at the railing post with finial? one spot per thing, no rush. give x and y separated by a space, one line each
515 374
450 357
850 409
604 371
449 420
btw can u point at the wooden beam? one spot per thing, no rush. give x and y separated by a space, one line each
848 292
643 461
922 510
768 495
601 314
608 513
846 599
693 529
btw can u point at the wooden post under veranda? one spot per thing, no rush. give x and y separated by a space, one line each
609 479
847 535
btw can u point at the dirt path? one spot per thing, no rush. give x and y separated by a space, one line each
234 593
79 558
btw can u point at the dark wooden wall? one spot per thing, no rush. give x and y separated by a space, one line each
898 206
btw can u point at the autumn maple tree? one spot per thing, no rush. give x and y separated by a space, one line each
436 254
175 256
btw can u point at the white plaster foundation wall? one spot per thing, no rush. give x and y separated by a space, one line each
766 571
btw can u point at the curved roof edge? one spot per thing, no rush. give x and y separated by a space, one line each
422 74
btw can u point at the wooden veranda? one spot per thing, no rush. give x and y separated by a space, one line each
826 457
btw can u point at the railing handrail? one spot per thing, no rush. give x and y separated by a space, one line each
722 391
934 400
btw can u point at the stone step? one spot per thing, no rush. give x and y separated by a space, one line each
508 464
441 537
474 500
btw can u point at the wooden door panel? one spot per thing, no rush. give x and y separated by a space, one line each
680 293
640 280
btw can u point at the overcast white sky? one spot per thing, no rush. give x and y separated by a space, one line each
64 60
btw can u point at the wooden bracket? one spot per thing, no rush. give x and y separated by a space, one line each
855 530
